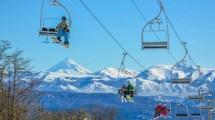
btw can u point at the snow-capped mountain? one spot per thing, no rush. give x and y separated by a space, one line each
97 87
68 76
116 73
158 72
68 66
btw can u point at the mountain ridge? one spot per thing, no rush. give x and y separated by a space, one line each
72 77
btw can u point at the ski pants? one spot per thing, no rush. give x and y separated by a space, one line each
64 33
157 113
130 92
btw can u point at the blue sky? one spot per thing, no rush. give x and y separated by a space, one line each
93 48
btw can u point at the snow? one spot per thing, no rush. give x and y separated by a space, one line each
97 87
69 88
69 76
116 73
68 66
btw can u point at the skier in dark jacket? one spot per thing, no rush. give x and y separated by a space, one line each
123 92
130 89
63 29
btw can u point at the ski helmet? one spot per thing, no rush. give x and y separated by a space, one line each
63 18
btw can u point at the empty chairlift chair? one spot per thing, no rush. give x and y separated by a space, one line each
175 72
195 111
209 105
157 28
201 95
181 110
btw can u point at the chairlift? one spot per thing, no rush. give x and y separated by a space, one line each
181 110
123 69
162 99
195 111
180 80
149 28
208 106
200 95
47 30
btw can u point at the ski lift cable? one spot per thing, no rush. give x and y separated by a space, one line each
141 13
113 38
177 35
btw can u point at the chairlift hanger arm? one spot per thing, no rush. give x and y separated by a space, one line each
55 2
150 22
186 53
41 14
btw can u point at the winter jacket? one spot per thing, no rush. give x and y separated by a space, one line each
130 87
63 26
159 108
123 88
165 111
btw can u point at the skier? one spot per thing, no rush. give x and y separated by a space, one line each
130 91
123 92
63 29
158 110
165 110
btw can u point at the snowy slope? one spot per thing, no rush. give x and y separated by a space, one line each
97 87
158 72
116 73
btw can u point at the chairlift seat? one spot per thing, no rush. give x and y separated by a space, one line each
155 45
195 115
48 31
196 97
52 30
181 81
134 91
207 108
181 115
203 90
